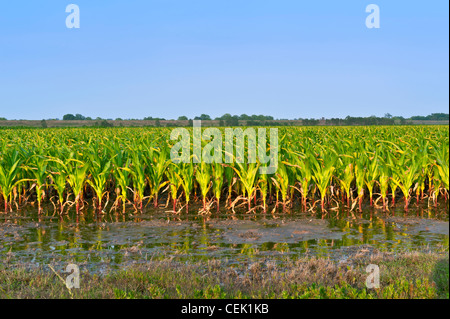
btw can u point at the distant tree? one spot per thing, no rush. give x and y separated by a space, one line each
69 117
233 121
254 123
388 115
157 123
79 117
432 117
103 123
438 117
190 123
310 122
225 116
3 119
119 119
44 124
418 118
182 118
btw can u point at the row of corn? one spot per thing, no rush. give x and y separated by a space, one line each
326 167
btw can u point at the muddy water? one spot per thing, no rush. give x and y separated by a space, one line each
114 240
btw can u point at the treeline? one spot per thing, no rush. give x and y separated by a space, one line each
257 120
431 117
229 119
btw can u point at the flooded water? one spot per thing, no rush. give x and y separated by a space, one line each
113 240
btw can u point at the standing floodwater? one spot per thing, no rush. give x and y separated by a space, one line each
118 240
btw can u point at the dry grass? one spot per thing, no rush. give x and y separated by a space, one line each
408 275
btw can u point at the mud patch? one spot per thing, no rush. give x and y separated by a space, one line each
264 231
416 226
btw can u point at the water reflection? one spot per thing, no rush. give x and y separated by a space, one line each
115 239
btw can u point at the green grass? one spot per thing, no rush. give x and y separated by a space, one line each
408 275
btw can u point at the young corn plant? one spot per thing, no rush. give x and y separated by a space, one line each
139 181
405 172
157 163
217 174
304 175
175 182
281 183
121 176
186 175
9 172
59 177
323 174
37 167
442 167
360 181
406 176
203 178
231 180
247 173
100 170
371 176
77 171
383 181
263 183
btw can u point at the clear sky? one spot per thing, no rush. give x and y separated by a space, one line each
165 58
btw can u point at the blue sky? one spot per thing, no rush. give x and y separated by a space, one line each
165 58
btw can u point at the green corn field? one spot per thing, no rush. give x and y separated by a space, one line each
319 169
